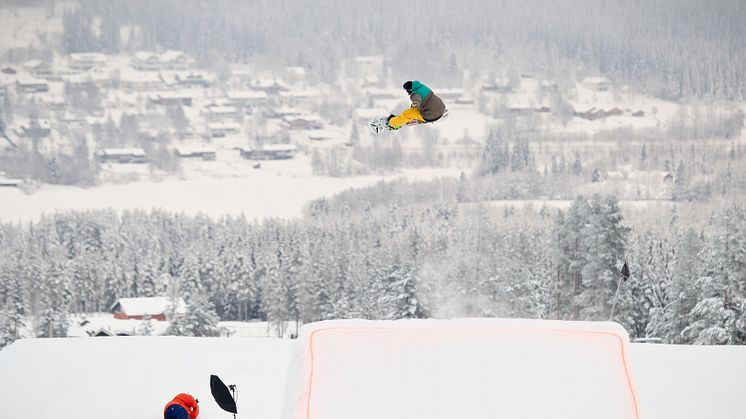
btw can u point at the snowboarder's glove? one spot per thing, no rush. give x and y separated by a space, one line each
388 122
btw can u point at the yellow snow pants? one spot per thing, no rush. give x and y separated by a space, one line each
406 117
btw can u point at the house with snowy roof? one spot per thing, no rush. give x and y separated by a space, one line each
139 80
10 182
246 98
282 112
194 78
221 129
599 84
86 60
32 85
145 61
322 135
38 69
303 122
175 98
122 155
174 60
52 102
293 97
36 128
221 113
269 152
139 308
589 112
592 112
295 73
269 85
201 152
153 61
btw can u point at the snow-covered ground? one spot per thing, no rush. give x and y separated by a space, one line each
266 193
133 377
92 323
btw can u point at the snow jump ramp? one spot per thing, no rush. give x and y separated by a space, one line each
452 369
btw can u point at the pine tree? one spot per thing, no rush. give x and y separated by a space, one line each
493 158
719 317
14 307
201 318
592 244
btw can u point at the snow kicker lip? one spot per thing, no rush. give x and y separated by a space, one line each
610 335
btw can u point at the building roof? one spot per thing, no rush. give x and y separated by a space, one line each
596 80
300 94
279 147
265 83
134 76
287 111
302 118
132 151
246 94
88 56
324 134
142 306
145 56
193 150
30 81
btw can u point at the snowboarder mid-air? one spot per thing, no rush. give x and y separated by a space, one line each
426 106
183 406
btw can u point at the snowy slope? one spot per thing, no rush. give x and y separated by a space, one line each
132 377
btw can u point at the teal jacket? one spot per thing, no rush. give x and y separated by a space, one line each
431 106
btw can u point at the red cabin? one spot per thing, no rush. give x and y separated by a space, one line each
140 308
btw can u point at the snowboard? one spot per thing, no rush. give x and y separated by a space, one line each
380 125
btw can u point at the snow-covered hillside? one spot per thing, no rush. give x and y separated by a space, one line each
133 377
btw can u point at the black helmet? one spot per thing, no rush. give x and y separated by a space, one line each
408 87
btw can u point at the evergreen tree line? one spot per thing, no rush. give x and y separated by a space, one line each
386 262
670 48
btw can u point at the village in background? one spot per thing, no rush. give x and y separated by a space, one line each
90 118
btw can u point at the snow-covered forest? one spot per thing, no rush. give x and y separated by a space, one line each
388 262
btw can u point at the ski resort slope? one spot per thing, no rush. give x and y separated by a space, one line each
133 377
475 368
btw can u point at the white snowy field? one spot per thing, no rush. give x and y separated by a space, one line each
133 377
264 194
92 323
